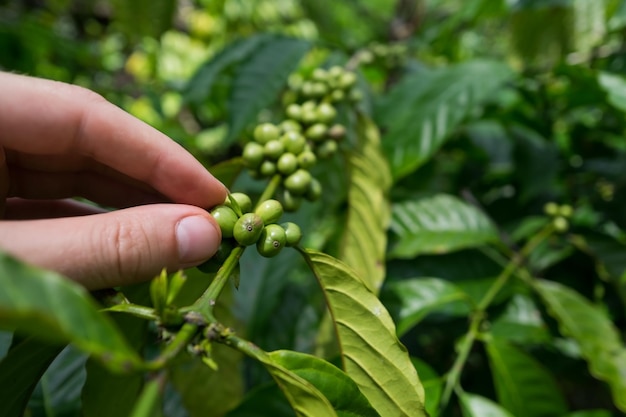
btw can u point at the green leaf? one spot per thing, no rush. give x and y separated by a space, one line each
365 237
20 370
599 340
409 301
305 399
474 405
371 353
590 413
262 401
259 80
615 87
48 306
438 224
339 389
423 109
144 17
520 322
201 83
433 385
524 386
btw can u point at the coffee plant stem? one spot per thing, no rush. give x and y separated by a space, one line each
270 190
479 314
150 394
180 341
206 303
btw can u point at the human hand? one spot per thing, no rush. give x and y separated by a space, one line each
59 141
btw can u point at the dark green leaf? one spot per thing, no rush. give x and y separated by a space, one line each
200 85
523 385
590 413
474 405
409 301
520 322
50 307
371 352
365 237
144 17
228 171
20 370
438 224
258 82
422 110
339 389
262 401
599 340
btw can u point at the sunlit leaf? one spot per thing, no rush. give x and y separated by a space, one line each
423 109
438 224
337 387
371 353
523 385
474 405
50 307
258 82
365 237
599 340
20 370
409 301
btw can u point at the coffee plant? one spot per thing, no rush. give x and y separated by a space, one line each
425 218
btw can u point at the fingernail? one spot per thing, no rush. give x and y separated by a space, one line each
197 238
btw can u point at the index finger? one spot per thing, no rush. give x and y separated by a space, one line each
44 117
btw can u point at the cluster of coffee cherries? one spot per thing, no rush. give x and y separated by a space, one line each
560 215
291 148
388 55
240 225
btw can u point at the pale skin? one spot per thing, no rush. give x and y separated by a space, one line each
59 142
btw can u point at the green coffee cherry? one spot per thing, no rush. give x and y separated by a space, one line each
316 132
290 202
298 182
319 74
326 149
560 224
551 209
294 111
326 112
274 149
243 200
293 234
225 218
335 71
337 131
290 126
566 210
306 159
270 211
314 192
347 80
253 154
218 259
337 95
319 89
265 132
248 229
287 163
271 241
267 168
294 142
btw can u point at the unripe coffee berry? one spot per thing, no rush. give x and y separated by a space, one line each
266 132
306 159
298 182
253 154
326 149
271 241
290 126
290 202
293 234
294 142
319 74
226 218
326 112
287 163
274 149
551 209
560 224
248 229
294 111
270 211
243 201
314 191
347 80
267 168
316 132
337 131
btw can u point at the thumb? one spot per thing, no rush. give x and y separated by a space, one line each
116 248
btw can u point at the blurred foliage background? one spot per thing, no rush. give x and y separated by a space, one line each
533 94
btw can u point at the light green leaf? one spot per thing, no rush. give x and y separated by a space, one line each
423 109
474 405
599 340
259 80
371 353
409 301
50 307
438 224
523 385
615 87
200 85
20 370
365 237
337 387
